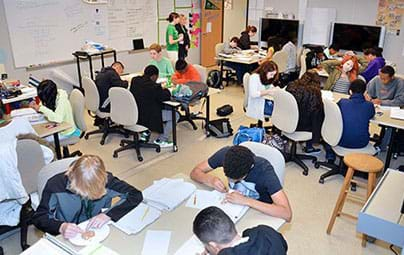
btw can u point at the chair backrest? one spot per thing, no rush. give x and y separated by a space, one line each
286 112
246 82
303 66
51 170
299 53
92 98
124 109
332 127
271 154
29 161
281 59
218 48
77 102
203 72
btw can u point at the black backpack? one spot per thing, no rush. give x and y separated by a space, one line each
220 128
213 79
224 110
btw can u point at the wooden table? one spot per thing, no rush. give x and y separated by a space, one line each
179 222
45 129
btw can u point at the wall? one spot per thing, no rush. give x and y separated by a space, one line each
234 19
133 61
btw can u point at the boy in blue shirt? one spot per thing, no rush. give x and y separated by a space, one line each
356 114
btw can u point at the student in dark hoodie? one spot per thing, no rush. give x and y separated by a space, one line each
107 78
218 234
245 43
376 62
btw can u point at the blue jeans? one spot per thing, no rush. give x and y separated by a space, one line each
269 107
240 69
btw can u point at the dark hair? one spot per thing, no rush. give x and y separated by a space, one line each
374 51
180 65
307 91
264 68
388 70
151 70
318 49
118 63
213 225
47 93
334 46
235 39
251 29
275 42
172 16
358 86
238 161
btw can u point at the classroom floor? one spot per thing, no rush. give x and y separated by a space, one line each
312 203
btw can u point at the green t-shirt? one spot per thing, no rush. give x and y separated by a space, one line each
171 31
165 67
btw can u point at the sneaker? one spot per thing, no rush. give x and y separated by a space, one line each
144 136
163 144
311 150
378 150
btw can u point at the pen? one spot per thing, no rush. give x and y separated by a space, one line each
195 199
145 213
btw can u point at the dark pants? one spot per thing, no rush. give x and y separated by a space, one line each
182 51
240 69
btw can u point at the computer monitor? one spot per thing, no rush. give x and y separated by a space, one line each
282 28
138 44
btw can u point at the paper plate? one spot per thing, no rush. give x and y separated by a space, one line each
100 235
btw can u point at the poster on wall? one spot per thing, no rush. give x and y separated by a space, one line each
390 14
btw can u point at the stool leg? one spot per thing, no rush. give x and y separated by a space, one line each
341 199
371 186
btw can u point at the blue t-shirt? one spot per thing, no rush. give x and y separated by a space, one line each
260 183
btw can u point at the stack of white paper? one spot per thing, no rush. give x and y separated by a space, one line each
192 246
137 219
29 114
167 194
203 198
397 113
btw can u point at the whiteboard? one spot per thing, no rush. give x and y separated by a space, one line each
317 25
48 31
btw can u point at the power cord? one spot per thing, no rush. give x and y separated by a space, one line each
391 248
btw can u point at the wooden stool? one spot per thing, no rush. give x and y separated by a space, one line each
356 162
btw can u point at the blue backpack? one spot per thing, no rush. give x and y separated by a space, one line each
245 134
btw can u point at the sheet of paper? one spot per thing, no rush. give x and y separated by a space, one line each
97 249
43 246
156 242
397 113
191 246
137 219
208 27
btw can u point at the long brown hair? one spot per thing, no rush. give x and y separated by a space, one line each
310 82
251 29
266 67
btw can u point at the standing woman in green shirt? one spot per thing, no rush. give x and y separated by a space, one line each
172 36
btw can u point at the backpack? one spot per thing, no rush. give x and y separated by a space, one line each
224 110
213 79
245 134
276 141
195 91
220 128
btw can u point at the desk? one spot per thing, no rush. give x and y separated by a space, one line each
179 221
27 93
44 131
380 217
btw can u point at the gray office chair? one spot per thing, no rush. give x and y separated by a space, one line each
124 111
92 102
77 102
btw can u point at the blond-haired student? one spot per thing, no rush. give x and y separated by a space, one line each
83 192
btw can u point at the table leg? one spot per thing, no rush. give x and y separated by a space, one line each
390 149
174 123
207 115
57 146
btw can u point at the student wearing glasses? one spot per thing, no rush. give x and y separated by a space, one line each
253 178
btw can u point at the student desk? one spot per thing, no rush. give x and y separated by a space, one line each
27 93
179 222
43 131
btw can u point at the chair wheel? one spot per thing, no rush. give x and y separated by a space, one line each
158 149
353 187
175 148
313 161
321 181
317 165
140 158
305 173
79 154
115 155
121 144
126 135
102 142
195 128
86 137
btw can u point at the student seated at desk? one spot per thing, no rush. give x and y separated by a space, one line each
149 97
356 113
162 63
184 73
274 44
307 93
218 233
253 177
232 48
315 57
340 73
375 62
245 42
55 105
81 193
260 85
107 78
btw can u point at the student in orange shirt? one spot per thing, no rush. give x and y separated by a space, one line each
184 73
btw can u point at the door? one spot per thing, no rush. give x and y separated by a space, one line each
212 30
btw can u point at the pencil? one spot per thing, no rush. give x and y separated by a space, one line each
145 213
195 199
